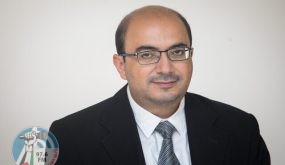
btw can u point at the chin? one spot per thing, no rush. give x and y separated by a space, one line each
165 98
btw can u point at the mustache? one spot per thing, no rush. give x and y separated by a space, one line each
163 77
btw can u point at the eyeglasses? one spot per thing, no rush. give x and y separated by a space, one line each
146 57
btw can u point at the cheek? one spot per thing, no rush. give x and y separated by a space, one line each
185 71
189 73
137 76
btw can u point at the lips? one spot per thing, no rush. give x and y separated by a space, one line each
165 84
164 81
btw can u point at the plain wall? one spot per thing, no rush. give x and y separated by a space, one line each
56 59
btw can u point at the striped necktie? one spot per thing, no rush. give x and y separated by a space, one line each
166 155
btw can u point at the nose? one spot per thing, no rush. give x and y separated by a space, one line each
164 65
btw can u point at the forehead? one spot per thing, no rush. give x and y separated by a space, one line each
157 29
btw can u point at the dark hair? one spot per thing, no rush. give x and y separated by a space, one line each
123 27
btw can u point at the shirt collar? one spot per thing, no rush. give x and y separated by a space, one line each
147 121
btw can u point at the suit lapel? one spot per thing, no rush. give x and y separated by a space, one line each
122 142
207 143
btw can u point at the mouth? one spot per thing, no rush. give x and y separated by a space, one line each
165 84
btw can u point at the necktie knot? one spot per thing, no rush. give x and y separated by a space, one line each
166 129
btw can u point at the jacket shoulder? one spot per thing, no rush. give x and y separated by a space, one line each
216 106
76 132
89 114
228 117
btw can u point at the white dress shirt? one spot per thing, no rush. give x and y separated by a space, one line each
151 140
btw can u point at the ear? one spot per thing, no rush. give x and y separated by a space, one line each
119 63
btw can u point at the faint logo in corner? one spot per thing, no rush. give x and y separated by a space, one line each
35 146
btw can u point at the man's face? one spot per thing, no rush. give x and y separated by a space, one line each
162 82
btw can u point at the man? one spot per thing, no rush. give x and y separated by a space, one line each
153 120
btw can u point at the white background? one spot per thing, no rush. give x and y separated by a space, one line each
56 59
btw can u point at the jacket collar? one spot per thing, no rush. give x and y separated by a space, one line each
207 143
123 142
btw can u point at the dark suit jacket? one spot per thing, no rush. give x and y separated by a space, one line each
106 133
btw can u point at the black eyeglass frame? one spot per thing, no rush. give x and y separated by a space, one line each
190 49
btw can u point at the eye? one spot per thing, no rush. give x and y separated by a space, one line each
146 55
177 51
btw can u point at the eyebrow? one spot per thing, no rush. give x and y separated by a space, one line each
145 47
149 47
178 45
